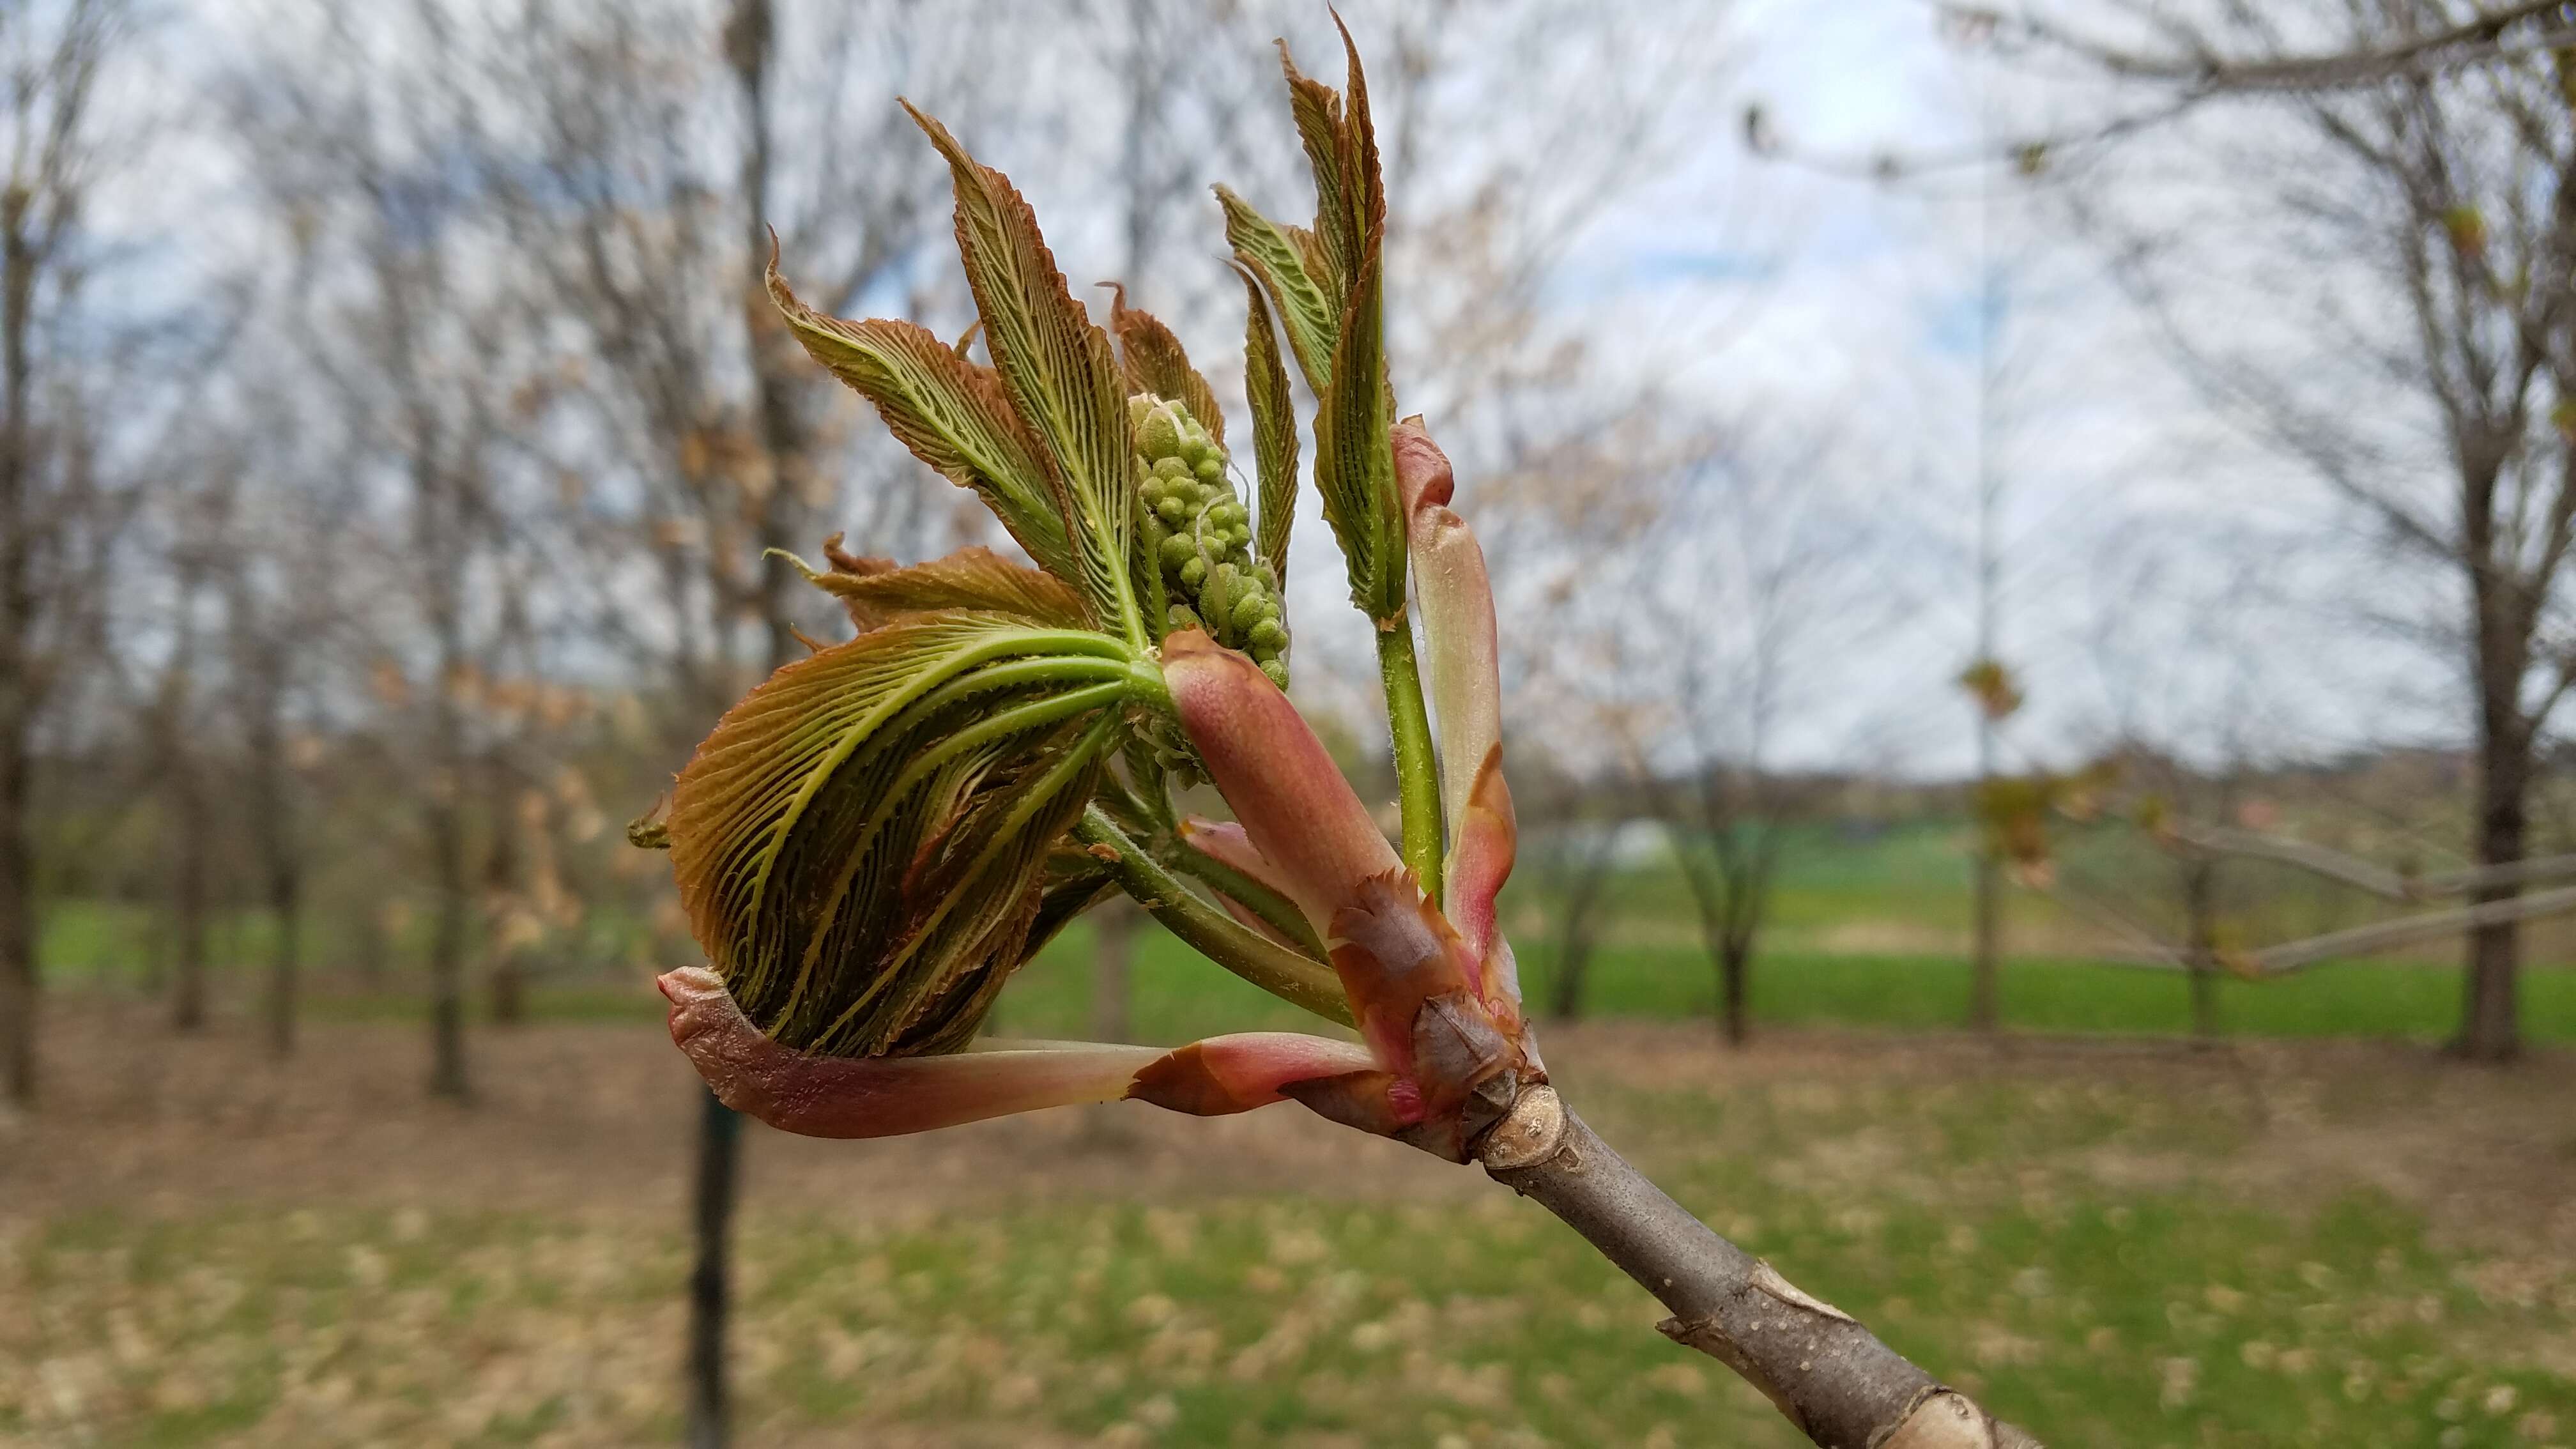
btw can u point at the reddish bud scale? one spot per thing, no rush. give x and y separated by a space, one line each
1450 1058
821 1096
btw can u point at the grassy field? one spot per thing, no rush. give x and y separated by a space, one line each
1178 996
1866 932
2342 1245
2316 1234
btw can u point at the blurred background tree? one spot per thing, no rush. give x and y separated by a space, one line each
393 432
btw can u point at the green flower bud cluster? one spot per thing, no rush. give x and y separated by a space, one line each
1200 537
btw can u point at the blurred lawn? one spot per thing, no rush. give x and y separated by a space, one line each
1178 996
1971 1222
1907 884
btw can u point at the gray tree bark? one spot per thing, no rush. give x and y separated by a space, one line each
1827 1374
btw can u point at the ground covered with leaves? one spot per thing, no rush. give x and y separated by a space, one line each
2114 1243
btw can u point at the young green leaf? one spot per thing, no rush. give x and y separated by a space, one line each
862 843
1363 189
1354 464
1274 254
1058 369
1354 470
1323 131
950 412
1274 428
877 591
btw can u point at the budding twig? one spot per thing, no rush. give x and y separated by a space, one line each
1830 1376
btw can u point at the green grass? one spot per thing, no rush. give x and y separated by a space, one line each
112 942
1909 880
1912 873
1930 992
1178 996
1958 1218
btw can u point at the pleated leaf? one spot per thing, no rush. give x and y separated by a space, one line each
1339 266
949 411
1360 195
1273 253
1074 881
862 845
1325 134
1058 369
1274 429
1354 464
878 591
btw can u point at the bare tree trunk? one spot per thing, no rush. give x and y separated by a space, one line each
749 37
506 975
443 793
1730 900
2489 1027
447 941
260 655
1734 982
18 686
18 1002
48 243
1578 928
2200 904
190 846
509 988
18 981
188 908
285 961
719 1182
1985 986
285 910
450 925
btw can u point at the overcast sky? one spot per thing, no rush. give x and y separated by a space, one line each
2150 554
1797 302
